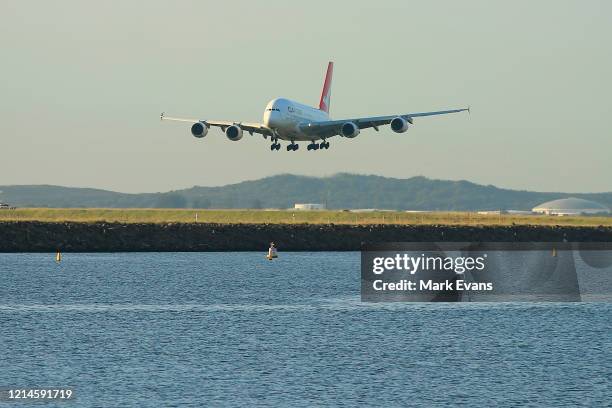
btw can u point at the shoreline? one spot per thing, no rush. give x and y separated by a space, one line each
35 236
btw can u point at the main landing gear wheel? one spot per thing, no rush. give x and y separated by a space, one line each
275 146
317 146
293 147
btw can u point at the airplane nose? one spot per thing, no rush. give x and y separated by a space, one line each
266 118
270 118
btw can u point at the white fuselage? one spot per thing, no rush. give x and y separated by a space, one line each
284 116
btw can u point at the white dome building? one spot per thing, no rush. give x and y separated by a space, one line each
571 206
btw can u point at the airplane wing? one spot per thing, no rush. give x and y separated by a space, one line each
247 127
332 127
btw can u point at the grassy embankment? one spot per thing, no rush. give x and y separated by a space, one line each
287 217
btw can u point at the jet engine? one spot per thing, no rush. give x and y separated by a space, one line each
233 133
199 130
399 125
349 129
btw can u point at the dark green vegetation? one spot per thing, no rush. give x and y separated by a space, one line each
338 192
33 236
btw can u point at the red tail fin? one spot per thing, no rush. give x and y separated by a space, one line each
326 94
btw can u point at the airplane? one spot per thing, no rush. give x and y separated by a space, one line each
291 121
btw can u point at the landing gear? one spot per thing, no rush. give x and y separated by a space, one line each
275 145
313 146
293 147
317 146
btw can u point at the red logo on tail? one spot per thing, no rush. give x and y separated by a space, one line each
326 94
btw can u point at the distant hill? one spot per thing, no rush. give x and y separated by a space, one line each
282 191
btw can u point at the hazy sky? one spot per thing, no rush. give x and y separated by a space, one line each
82 85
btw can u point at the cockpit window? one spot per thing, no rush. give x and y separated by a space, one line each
273 109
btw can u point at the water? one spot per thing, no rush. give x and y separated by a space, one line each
233 329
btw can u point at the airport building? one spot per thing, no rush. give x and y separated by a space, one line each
309 206
571 206
500 212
